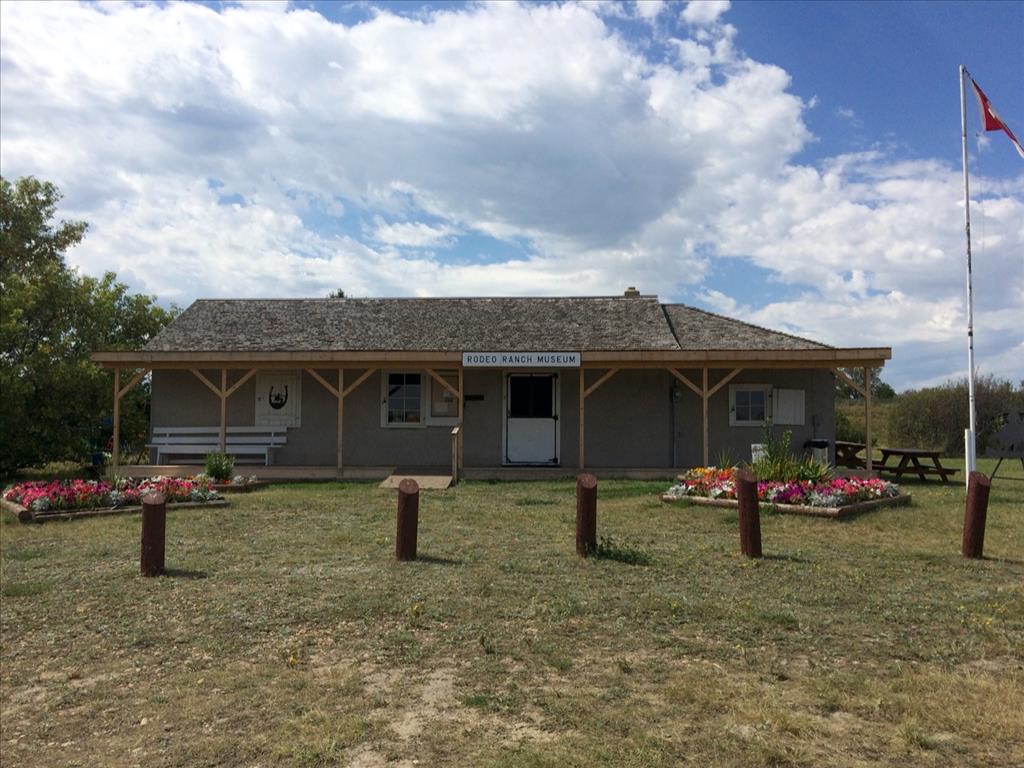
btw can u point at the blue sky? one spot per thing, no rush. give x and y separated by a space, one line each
796 165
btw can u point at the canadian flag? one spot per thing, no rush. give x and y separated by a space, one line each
992 120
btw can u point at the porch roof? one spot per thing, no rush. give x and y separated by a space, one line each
628 329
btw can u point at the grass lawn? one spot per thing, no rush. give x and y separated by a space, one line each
286 635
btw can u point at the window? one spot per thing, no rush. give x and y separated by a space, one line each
748 405
403 402
444 406
531 396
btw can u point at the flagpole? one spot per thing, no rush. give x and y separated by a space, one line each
969 434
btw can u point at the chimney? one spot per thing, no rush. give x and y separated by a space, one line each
631 292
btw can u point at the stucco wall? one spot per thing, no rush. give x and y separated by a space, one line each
369 444
482 430
630 419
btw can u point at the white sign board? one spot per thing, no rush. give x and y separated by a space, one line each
521 359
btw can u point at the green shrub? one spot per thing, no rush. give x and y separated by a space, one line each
219 466
936 417
778 464
845 428
725 460
813 471
850 422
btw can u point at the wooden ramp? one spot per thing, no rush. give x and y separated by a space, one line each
433 478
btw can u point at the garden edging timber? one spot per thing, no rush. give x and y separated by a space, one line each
26 515
835 513
239 487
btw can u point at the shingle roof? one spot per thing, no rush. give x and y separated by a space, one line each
436 325
481 324
696 329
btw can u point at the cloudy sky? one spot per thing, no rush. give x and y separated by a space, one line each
794 165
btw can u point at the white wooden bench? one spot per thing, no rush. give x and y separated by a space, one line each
246 444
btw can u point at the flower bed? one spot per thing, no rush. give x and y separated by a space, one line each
238 484
834 497
35 500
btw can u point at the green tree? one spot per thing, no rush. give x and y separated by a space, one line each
53 400
936 417
880 391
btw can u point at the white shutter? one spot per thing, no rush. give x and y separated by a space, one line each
789 406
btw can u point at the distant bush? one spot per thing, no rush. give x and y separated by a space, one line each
846 430
850 422
936 417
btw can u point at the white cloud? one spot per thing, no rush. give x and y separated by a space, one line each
704 12
413 234
649 9
534 124
850 116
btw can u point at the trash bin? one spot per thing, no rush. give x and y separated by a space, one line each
818 448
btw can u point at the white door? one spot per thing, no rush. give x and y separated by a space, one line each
531 418
279 399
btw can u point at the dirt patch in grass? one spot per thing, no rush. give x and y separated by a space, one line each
304 644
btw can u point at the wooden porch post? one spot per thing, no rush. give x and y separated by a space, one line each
339 395
342 392
705 396
462 428
586 392
582 398
341 417
223 409
867 418
707 437
864 392
119 392
115 453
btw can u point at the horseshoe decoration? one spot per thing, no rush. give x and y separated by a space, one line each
277 401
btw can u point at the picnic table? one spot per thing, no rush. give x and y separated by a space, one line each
910 462
897 461
846 454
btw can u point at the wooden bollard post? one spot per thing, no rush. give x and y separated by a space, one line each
408 519
586 515
975 513
154 529
750 513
